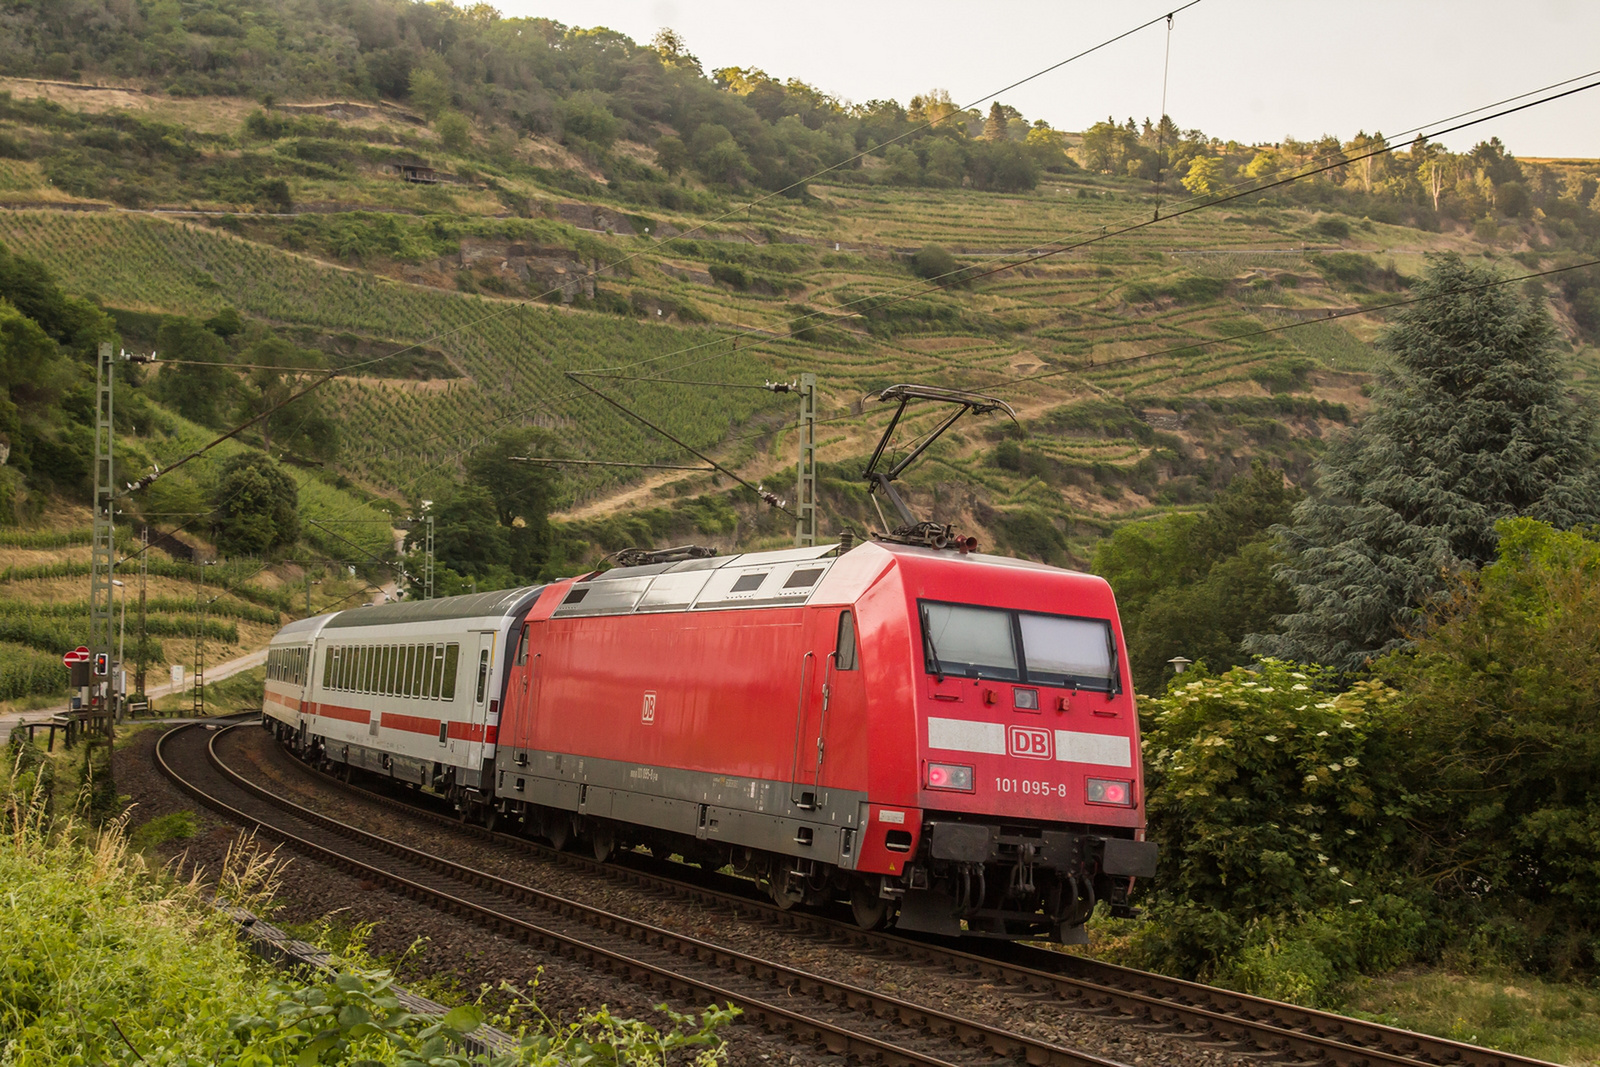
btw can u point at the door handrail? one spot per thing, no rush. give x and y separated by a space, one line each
799 725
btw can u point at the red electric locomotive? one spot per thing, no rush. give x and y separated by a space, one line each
947 740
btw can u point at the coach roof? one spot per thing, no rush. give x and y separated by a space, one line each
501 603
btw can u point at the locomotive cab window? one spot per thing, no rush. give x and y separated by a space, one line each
1069 652
845 648
1019 646
964 640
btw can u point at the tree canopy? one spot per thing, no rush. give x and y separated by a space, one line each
1470 424
1194 585
256 506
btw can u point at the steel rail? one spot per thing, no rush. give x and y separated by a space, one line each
949 1030
1206 1013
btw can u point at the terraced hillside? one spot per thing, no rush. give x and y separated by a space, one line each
459 304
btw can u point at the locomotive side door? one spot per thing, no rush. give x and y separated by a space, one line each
830 661
516 718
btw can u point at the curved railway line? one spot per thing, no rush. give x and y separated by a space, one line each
844 1018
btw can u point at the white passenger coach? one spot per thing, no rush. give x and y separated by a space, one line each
407 690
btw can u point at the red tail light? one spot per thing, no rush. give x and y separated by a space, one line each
953 776
1109 791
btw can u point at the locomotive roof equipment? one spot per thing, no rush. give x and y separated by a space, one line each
911 531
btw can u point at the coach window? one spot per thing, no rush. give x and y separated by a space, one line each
452 656
844 658
522 646
366 669
417 665
483 674
392 672
327 668
408 673
435 661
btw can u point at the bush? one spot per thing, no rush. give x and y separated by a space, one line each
1503 695
730 274
1336 228
1280 808
934 261
106 963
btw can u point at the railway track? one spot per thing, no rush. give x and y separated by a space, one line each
808 1008
1219 1017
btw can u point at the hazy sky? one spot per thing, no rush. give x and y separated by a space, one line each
1252 70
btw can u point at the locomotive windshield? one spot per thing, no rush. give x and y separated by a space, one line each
1018 646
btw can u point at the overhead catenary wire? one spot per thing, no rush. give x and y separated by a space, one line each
764 494
557 461
1329 317
1296 174
1194 204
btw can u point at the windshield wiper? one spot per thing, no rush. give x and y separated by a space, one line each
928 648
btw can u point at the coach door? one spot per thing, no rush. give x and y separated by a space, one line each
485 702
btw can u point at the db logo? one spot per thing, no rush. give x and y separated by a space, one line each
648 715
1028 742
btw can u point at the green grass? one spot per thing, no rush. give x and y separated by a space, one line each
242 692
173 826
1556 1021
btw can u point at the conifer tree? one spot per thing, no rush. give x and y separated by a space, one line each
1470 424
994 127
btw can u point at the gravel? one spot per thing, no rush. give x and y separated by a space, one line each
455 954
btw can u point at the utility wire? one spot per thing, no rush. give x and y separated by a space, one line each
769 497
1193 204
1332 315
798 183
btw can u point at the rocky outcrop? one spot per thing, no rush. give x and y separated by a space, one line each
536 266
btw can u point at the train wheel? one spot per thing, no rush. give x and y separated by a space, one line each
605 842
558 830
870 910
786 890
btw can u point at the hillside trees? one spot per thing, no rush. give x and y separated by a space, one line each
1470 424
256 506
46 398
198 384
494 528
278 370
1195 585
1503 700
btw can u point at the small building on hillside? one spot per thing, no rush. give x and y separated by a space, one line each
416 171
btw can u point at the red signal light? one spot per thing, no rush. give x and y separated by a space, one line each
1109 791
953 776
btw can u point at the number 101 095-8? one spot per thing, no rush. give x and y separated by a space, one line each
1028 787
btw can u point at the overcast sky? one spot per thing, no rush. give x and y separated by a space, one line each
1252 70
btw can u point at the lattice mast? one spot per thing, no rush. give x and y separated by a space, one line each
103 558
805 529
